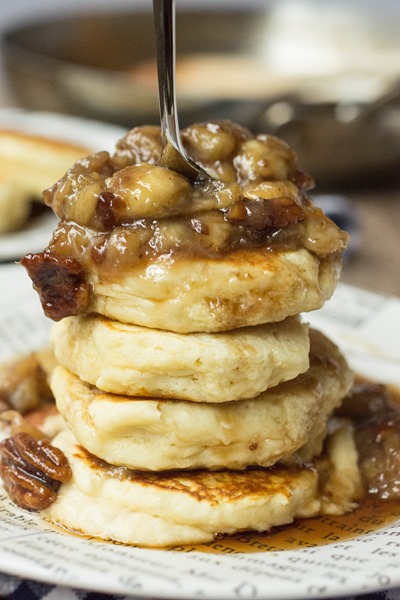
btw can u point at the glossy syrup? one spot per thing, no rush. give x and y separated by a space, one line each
371 516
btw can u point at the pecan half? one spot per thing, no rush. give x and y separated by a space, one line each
60 283
262 215
32 470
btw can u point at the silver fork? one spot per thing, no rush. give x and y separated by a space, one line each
173 153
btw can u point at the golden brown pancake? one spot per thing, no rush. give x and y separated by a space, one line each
160 434
138 361
166 509
246 289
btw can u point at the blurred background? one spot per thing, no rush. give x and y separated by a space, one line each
324 75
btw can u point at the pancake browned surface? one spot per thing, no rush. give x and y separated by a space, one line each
155 434
166 509
246 288
137 361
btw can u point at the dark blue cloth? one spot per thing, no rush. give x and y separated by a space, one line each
13 588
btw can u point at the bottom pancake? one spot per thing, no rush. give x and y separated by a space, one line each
169 508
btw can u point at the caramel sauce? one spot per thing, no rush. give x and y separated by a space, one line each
208 235
121 210
371 516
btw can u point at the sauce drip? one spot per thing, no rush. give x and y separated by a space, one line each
372 515
370 405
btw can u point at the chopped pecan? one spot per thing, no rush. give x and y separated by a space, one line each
376 418
32 470
262 215
302 180
59 282
108 207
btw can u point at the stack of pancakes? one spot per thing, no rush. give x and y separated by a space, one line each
196 399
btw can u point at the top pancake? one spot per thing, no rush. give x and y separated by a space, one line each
205 295
143 244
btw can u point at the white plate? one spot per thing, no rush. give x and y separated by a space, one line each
93 134
31 549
